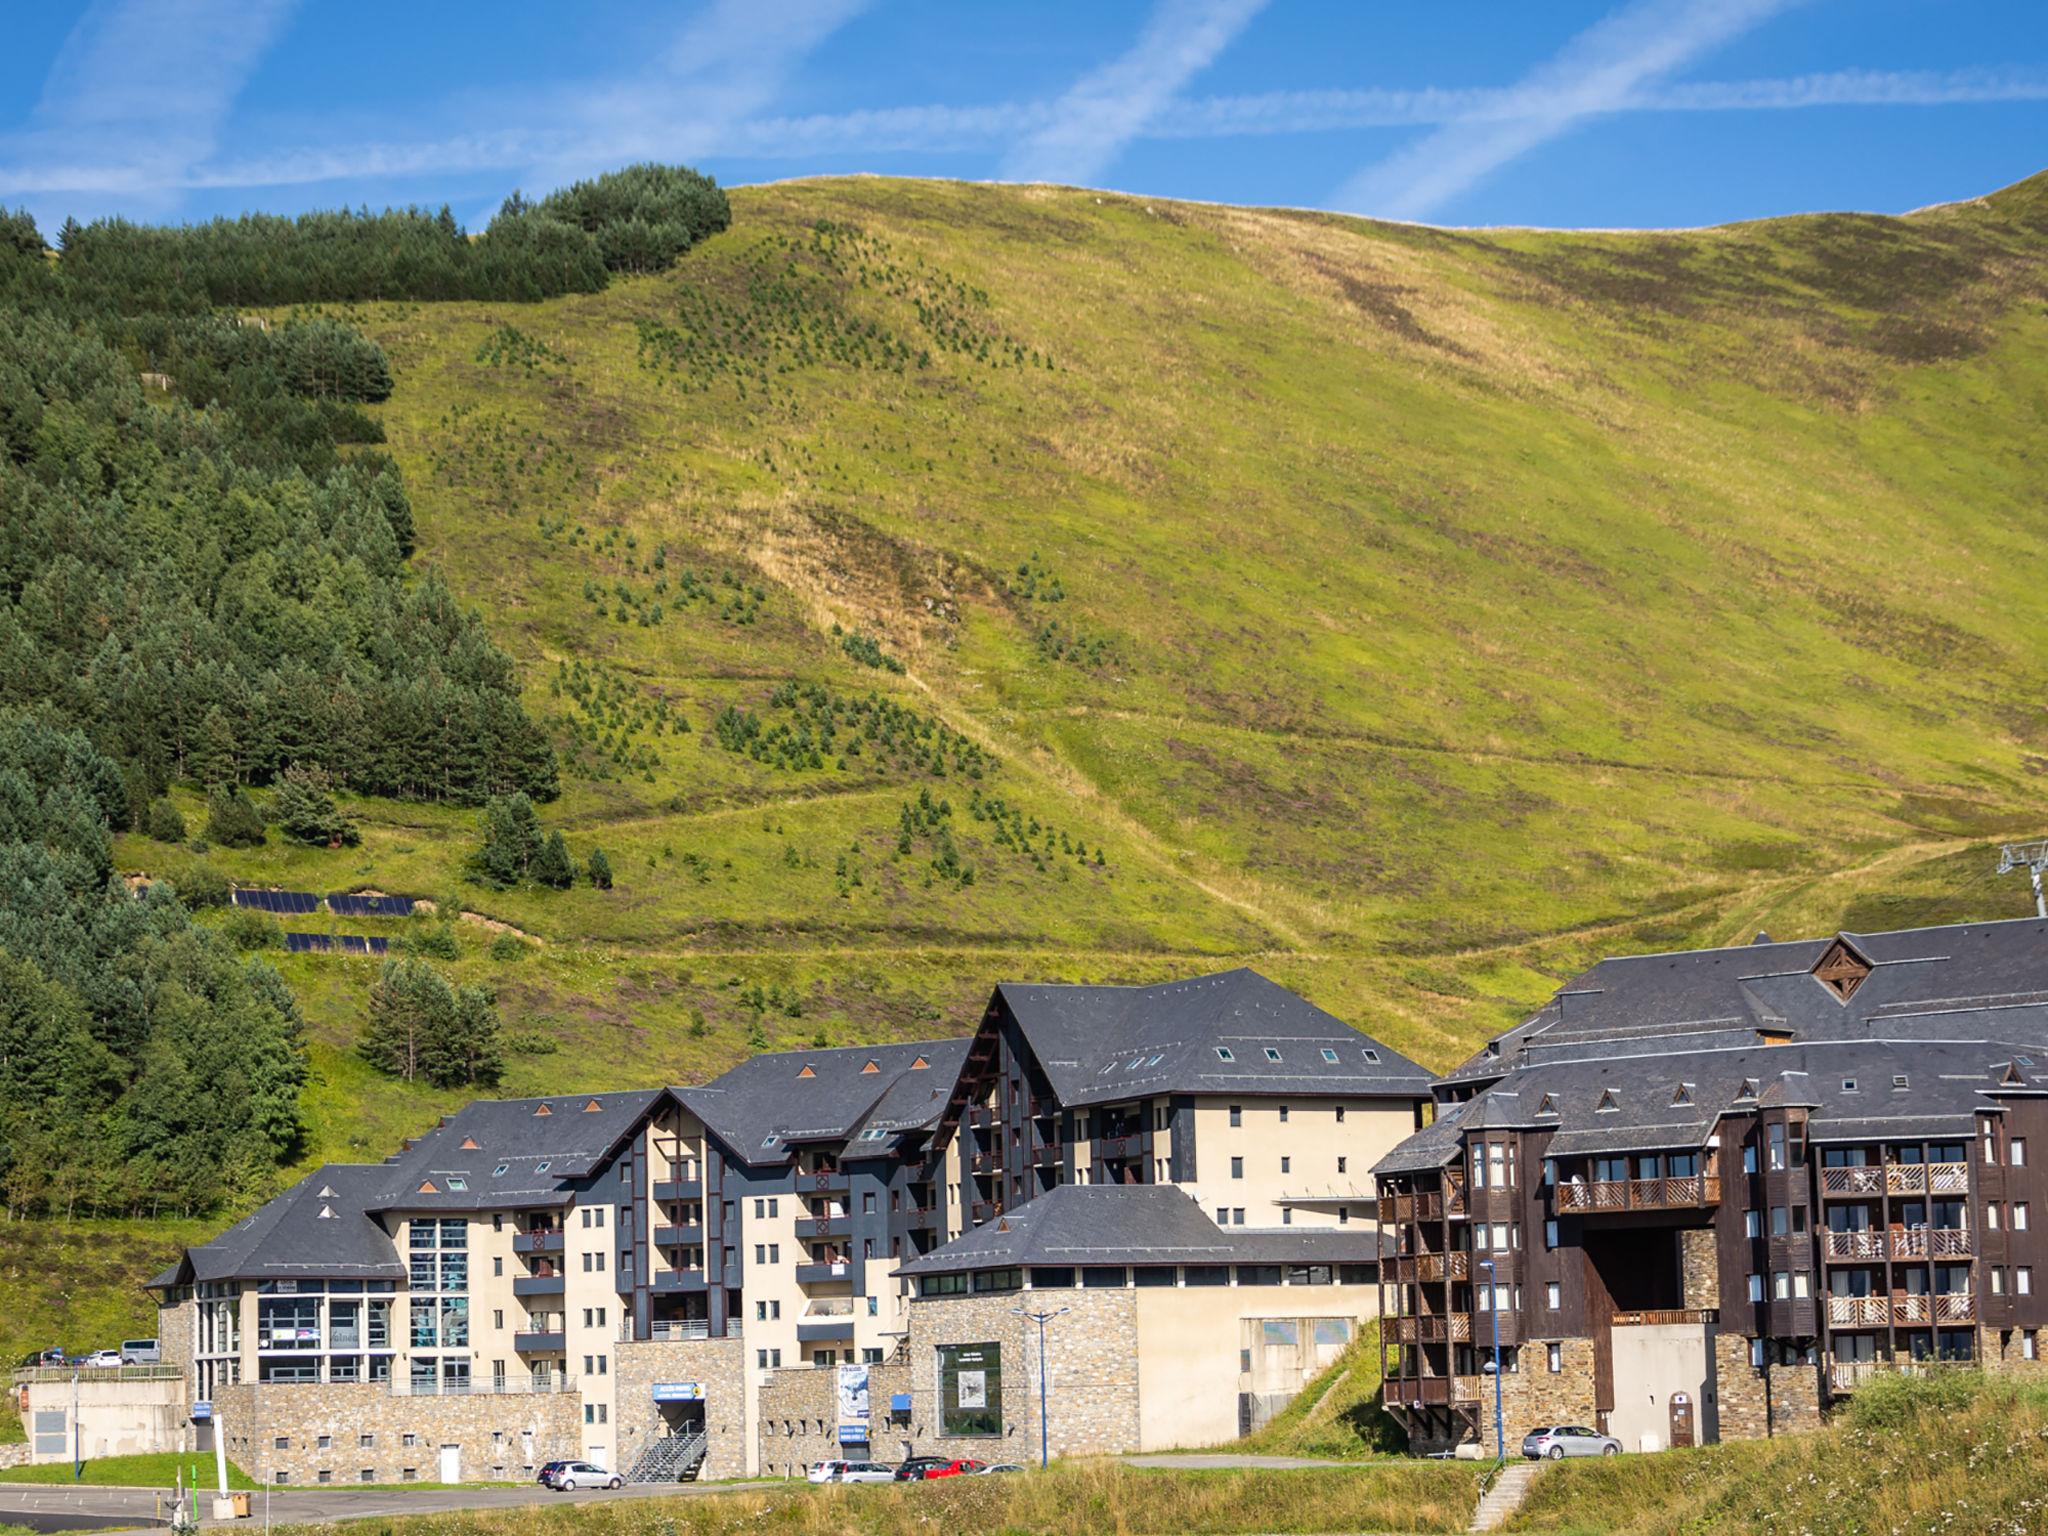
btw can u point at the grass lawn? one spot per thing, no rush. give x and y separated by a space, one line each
159 1470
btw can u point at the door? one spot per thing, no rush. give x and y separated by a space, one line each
1681 1419
451 1463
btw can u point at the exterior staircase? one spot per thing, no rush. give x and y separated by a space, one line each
1505 1495
672 1459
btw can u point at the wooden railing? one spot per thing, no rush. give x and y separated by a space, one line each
1930 1242
1661 1317
1898 1179
1454 1191
1852 1181
1852 1245
1426 1206
1859 1311
1443 1328
1846 1376
1687 1191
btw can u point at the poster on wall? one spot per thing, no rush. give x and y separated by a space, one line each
973 1389
853 1397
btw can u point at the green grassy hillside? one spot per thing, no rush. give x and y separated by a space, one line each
1414 615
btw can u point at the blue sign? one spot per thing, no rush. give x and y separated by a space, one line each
202 1413
853 1434
899 1402
679 1391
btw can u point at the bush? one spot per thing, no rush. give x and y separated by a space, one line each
201 885
532 1043
248 929
508 946
642 217
306 812
511 842
165 824
600 870
1890 1400
433 939
232 819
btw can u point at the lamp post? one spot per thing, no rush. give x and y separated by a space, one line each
1500 1445
1041 1318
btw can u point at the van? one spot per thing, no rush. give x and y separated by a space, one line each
141 1352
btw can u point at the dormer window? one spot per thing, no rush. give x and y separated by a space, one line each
1548 1106
1682 1094
1608 1103
542 1108
1748 1089
805 1071
1841 970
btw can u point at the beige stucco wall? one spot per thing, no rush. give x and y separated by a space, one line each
1311 1139
1650 1363
116 1414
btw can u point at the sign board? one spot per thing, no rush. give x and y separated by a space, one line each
853 1396
679 1391
973 1389
853 1434
202 1413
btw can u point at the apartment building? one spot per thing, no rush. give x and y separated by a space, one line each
700 1280
1707 1194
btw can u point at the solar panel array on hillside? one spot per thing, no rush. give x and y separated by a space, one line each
344 904
278 901
330 943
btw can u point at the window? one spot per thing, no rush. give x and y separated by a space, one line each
2028 1345
2016 1152
1756 1292
1372 1056
1329 1055
501 1170
775 1253
1343 1163
1553 1296
1283 1114
1550 1233
408 1440
1287 1216
1780 1221
2020 1214
1752 1223
367 1475
1223 1053
1237 1114
1781 1285
1237 1167
1272 1054
1553 1358
1997 1282
970 1389
2023 1280
1991 1215
1340 1114
1749 1158
1237 1216
366 1442
1286 1164
498 1265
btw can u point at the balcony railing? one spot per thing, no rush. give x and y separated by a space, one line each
1867 1246
983 1211
537 1242
824 1270
1906 1307
1426 1206
1930 1242
537 1285
666 1191
1665 1317
1115 1149
821 1180
678 1330
1859 1311
1430 1267
916 1218
1454 1191
1897 1179
550 1385
1048 1155
1425 1391
824 1226
683 1235
981 1116
1685 1192
984 1162
1845 1376
539 1342
1443 1328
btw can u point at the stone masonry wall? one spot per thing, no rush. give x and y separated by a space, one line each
1794 1393
14 1454
2001 1350
1093 1386
719 1365
1699 1265
174 1334
301 1430
799 1410
1532 1395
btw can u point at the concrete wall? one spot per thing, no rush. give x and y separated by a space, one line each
323 1428
117 1415
1651 1362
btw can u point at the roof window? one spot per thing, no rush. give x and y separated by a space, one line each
772 1140
1272 1053
501 1170
1747 1090
1372 1055
1848 1085
1900 1080
1223 1053
1548 1106
1682 1094
1608 1103
457 1183
1156 1060
1330 1054
541 1167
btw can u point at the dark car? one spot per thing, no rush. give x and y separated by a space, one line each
915 1468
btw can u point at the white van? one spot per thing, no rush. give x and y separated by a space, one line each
141 1352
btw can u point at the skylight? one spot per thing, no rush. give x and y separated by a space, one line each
1223 1053
773 1139
1272 1054
1155 1060
1329 1054
1372 1055
501 1170
457 1182
540 1167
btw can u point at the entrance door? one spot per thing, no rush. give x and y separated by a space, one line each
1681 1419
451 1463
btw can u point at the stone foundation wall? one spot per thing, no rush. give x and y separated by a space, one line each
1093 1386
174 1327
15 1454
1532 1395
719 1366
798 1422
1699 1267
295 1432
1998 1349
1740 1389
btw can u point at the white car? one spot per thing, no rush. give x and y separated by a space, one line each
584 1474
102 1357
867 1472
826 1471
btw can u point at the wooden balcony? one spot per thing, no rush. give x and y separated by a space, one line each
981 1116
1859 1247
1117 1149
1664 1317
1896 1179
1429 1267
1442 1328
1859 1311
1048 1155
1454 1191
1691 1192
1845 1376
1427 1206
1930 1242
1422 1391
985 1162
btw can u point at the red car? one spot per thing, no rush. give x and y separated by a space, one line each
962 1466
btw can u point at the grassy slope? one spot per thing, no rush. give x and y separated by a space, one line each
1460 607
1338 1414
1965 1460
155 1471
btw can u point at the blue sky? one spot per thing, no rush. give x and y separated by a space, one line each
1551 112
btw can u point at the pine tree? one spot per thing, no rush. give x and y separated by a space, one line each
232 819
552 866
512 840
600 870
213 756
306 812
165 824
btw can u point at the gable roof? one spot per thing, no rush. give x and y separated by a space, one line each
546 1145
1104 1043
770 1096
289 1237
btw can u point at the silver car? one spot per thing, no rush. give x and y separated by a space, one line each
1552 1443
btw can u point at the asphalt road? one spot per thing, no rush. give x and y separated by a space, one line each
60 1507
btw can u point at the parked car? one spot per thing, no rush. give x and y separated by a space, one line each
959 1466
826 1471
1003 1466
1552 1443
914 1468
141 1352
102 1357
868 1472
51 1356
568 1476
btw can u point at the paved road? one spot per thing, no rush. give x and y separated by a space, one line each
60 1507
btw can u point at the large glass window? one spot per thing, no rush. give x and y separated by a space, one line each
971 1389
289 1322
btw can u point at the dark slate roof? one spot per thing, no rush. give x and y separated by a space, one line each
322 1227
1135 1224
1102 1043
1649 1051
771 1096
545 1145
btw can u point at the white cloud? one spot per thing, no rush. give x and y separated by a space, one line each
138 92
1108 107
1599 71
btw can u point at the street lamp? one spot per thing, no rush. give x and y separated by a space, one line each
1500 1445
1041 1318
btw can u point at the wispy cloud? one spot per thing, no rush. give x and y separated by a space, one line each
138 93
1091 124
1599 71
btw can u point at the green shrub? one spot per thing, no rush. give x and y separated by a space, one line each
165 823
436 940
1893 1400
306 812
201 885
508 946
232 819
248 929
